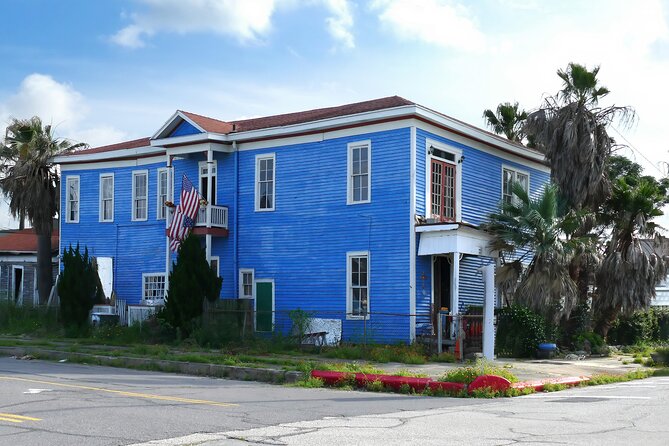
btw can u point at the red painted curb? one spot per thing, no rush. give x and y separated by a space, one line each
538 384
493 382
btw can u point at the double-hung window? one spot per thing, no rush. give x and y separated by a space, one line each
265 178
246 283
511 176
107 197
357 287
72 203
140 195
444 182
161 209
153 286
359 172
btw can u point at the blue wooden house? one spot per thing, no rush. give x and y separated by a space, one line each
368 213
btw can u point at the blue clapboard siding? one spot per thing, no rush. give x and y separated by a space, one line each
185 128
136 246
481 179
471 280
302 245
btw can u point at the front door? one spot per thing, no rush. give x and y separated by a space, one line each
264 305
441 286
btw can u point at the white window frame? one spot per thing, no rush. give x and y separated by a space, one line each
136 173
101 216
241 294
218 264
259 158
349 285
202 166
428 175
68 205
19 299
349 171
145 276
161 209
515 171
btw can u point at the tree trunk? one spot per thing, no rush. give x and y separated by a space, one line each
605 320
44 267
22 220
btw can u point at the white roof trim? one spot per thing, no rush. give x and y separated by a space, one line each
110 155
171 125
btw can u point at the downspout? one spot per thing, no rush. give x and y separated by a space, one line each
235 228
210 165
168 218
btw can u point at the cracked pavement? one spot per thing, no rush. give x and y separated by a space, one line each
107 406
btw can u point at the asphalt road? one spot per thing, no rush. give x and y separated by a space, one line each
44 403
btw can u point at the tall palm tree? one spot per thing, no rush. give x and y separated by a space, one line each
535 229
571 129
631 268
508 120
30 181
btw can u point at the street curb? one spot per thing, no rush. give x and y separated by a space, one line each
493 382
275 376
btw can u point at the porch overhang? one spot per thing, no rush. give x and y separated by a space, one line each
450 238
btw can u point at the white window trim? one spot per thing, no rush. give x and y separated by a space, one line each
146 197
428 175
201 165
515 171
256 183
101 210
144 275
349 294
240 291
160 206
67 198
349 172
218 264
19 300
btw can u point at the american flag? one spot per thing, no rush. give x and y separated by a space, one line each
185 214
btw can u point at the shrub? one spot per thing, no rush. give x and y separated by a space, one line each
79 288
375 386
520 331
661 356
300 320
481 367
590 342
641 327
191 282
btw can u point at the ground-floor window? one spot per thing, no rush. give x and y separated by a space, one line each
357 289
153 286
246 284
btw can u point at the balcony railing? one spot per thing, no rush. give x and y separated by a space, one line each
219 216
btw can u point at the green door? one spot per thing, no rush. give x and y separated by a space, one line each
264 306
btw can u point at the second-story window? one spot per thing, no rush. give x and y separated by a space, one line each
204 168
140 195
511 176
265 182
72 204
359 172
443 182
162 194
107 197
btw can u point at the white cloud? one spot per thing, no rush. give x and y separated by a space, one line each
438 22
340 23
247 20
58 104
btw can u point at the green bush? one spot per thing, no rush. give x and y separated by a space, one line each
79 288
639 328
520 331
481 367
661 356
591 342
191 282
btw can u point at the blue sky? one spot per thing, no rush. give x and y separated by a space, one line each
106 71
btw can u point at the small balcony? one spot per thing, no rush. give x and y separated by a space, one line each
218 215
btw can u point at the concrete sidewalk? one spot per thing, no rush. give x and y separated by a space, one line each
529 369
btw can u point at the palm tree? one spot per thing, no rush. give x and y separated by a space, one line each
571 129
30 181
507 120
535 229
631 268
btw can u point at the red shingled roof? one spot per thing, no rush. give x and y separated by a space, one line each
23 241
319 113
209 124
142 142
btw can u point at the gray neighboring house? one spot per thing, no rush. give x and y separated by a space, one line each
18 264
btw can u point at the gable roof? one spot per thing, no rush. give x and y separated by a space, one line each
133 144
208 124
23 241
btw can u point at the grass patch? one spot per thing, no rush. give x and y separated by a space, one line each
349 367
409 373
375 386
310 383
470 373
443 357
598 380
552 387
406 354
